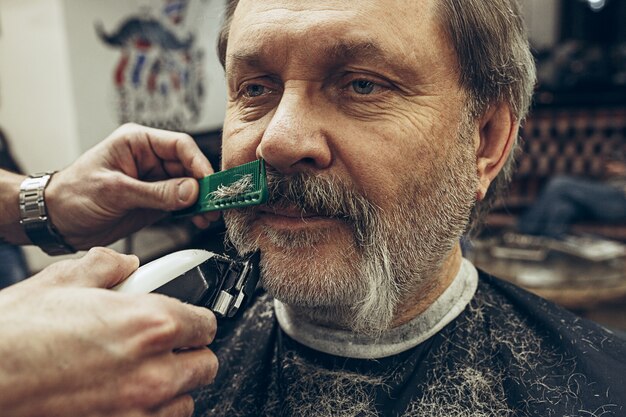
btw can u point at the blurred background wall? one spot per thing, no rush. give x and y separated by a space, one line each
58 91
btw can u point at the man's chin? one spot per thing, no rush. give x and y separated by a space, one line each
320 270
314 275
307 239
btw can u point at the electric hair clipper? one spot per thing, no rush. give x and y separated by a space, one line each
198 277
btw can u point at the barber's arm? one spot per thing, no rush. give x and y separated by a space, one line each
71 348
68 346
131 179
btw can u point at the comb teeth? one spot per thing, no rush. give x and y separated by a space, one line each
241 186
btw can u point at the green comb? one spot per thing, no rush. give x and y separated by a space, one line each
241 186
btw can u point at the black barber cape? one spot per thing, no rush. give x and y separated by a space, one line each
509 353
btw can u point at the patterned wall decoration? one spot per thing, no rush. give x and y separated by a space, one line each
159 75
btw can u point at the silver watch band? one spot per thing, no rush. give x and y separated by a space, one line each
34 216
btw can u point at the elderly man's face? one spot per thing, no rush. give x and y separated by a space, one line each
348 102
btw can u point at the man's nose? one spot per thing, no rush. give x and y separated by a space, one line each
296 138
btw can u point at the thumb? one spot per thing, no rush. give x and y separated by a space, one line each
167 195
100 267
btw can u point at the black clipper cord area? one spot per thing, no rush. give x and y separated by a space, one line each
220 283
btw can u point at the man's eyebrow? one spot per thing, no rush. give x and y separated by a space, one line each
338 53
246 56
346 51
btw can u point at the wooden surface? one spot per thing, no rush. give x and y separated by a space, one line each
595 290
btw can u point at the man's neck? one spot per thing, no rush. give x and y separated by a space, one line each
418 301
417 326
412 304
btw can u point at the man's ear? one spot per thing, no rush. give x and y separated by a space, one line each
497 133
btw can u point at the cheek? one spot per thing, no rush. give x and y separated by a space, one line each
382 157
240 141
425 140
234 155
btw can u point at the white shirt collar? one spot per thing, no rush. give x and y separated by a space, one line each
394 341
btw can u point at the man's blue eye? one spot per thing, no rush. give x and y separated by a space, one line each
255 90
362 86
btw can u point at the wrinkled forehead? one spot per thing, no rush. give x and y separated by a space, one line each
278 30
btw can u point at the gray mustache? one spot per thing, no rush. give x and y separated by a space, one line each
317 195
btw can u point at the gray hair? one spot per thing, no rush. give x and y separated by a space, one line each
495 65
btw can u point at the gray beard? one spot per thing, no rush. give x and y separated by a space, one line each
387 260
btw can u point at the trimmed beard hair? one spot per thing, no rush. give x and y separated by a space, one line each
388 257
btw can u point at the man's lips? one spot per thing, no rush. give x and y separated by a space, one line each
292 212
293 217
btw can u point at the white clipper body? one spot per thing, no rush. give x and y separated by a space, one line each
198 277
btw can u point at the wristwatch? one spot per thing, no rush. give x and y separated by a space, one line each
34 216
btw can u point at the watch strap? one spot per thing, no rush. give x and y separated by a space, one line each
35 219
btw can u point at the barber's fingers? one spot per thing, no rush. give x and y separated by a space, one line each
169 375
175 169
181 406
163 324
202 221
185 371
195 368
100 267
175 146
166 195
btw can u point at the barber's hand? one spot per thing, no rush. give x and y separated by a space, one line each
70 348
130 180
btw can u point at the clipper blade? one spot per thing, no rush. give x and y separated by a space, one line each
241 186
